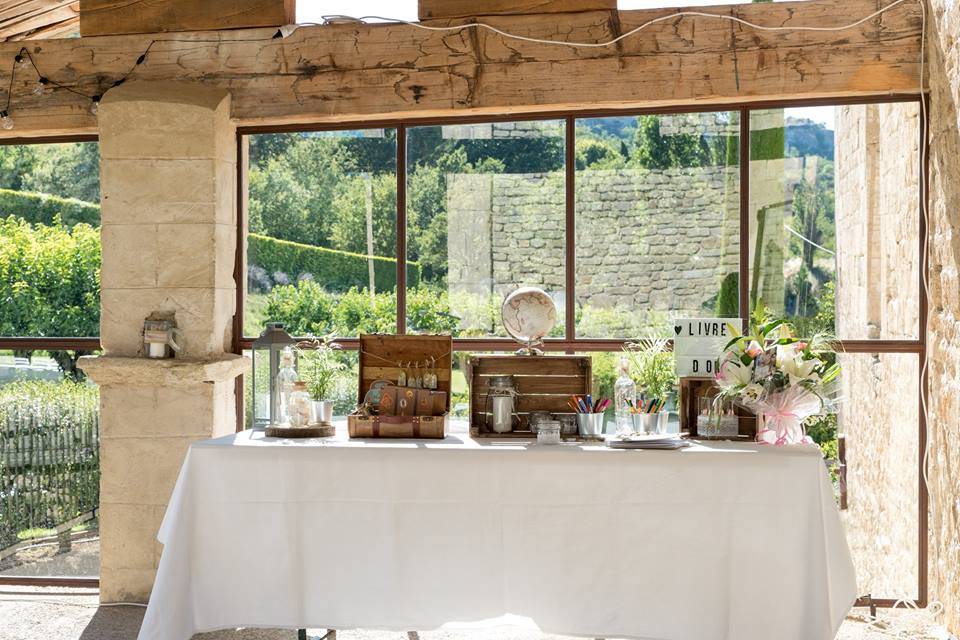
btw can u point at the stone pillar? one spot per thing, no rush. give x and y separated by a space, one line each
168 182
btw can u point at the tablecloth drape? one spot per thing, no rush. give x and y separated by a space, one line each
718 541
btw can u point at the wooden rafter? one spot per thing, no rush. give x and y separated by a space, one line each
38 19
351 72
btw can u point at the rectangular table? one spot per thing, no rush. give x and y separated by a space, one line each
718 541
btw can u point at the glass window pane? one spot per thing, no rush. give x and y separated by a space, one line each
321 250
658 222
485 215
879 418
834 201
49 467
50 240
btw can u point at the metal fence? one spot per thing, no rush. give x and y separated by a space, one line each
49 457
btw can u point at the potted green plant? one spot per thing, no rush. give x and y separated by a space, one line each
653 368
319 369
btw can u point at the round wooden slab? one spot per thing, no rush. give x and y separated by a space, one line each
313 431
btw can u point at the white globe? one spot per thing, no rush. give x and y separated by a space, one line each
528 315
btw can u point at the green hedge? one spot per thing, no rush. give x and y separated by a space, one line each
332 269
42 208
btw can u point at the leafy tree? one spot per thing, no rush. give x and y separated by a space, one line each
70 170
599 153
66 170
728 301
291 195
655 151
348 227
49 282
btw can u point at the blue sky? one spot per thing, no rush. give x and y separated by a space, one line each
314 10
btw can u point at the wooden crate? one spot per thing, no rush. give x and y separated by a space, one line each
691 390
379 355
544 383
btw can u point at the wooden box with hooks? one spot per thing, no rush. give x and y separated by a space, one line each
401 360
542 383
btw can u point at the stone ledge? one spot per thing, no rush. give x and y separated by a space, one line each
144 372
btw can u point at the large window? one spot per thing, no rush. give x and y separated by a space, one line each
49 317
322 243
628 221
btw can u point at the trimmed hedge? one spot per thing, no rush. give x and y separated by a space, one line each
40 208
338 270
333 270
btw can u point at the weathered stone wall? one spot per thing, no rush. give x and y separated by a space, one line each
944 339
645 239
649 242
877 218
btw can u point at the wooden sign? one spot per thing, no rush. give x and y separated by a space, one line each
698 343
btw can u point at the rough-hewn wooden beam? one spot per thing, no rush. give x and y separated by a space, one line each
112 17
436 9
350 72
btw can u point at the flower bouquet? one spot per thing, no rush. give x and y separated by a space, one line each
781 378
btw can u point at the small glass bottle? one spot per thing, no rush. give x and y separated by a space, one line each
286 379
624 397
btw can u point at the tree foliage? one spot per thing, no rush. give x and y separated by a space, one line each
49 282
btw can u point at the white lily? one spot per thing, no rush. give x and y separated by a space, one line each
733 373
798 369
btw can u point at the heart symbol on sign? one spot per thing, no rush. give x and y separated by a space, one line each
677 329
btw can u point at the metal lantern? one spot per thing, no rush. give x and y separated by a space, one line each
268 383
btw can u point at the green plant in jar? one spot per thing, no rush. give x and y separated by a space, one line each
319 366
653 367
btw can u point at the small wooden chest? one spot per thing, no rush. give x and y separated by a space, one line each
543 383
385 357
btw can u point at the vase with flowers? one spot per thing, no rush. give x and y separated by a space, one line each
780 377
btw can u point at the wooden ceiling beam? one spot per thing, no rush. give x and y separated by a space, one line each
112 17
443 9
336 73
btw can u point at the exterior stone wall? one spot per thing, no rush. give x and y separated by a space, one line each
944 328
660 240
654 243
877 178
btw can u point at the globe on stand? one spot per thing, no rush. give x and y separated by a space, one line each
528 314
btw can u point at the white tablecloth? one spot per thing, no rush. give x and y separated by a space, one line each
719 541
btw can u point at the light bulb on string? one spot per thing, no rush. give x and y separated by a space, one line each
41 87
6 121
95 105
21 60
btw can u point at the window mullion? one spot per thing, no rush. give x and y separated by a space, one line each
401 289
744 277
570 246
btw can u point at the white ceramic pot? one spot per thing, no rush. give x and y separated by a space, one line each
323 410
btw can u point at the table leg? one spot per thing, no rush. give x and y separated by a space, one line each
301 634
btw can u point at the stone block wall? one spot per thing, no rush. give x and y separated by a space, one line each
877 297
943 72
655 240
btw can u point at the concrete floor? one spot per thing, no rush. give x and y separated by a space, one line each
30 613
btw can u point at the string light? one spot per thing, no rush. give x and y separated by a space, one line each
6 121
95 105
40 87
20 60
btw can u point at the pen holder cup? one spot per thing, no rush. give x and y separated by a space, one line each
590 425
650 423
